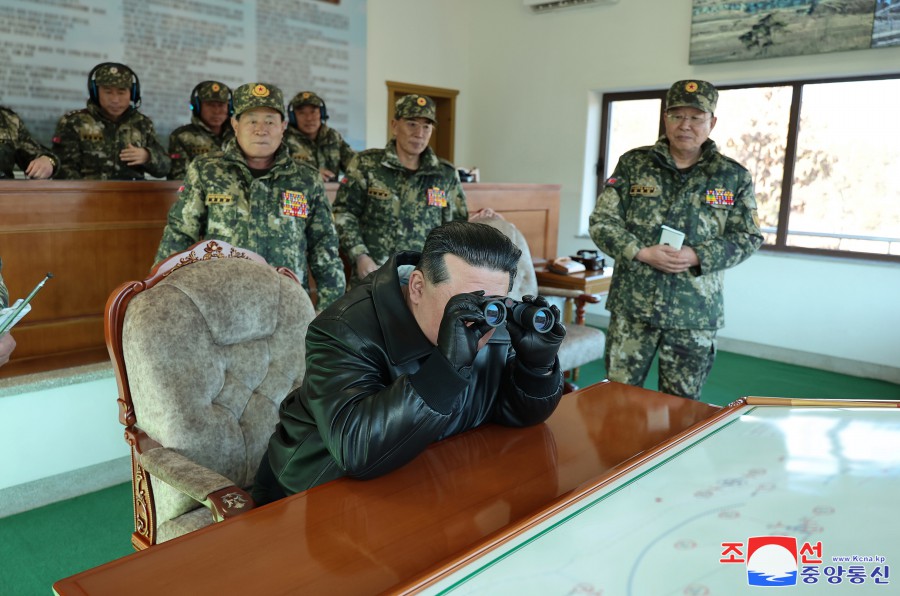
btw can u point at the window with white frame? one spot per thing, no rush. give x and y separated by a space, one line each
824 156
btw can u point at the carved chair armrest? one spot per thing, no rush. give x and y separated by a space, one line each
229 502
211 489
587 299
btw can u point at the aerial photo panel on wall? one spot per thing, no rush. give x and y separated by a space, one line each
730 31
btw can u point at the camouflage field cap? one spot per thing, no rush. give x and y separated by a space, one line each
258 95
307 98
114 75
213 91
692 94
415 106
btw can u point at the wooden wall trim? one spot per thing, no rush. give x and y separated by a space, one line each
92 236
534 208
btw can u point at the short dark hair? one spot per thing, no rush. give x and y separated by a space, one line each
479 245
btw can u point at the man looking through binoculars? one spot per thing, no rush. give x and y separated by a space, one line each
409 357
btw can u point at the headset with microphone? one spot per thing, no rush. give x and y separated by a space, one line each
292 117
195 98
93 91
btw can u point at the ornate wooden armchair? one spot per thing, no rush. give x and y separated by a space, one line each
205 350
582 344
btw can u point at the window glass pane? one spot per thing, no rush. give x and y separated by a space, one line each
845 192
751 127
633 123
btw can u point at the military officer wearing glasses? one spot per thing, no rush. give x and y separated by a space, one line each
664 298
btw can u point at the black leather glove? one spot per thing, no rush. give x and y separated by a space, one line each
457 341
536 351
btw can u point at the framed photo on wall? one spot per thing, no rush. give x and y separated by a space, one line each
732 31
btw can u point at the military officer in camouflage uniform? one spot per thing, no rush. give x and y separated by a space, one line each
253 195
391 198
18 148
663 299
208 131
7 343
309 138
110 139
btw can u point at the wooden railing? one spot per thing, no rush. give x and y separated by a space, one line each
94 235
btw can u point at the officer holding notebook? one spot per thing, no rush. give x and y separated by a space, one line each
7 343
674 216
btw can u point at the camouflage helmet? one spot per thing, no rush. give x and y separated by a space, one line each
692 94
212 91
258 95
110 74
415 106
306 98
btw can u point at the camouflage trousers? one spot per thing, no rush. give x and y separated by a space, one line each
685 355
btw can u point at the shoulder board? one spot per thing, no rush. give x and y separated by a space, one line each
183 128
644 149
333 133
305 164
447 163
201 160
733 161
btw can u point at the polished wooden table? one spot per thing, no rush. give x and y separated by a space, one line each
591 283
393 533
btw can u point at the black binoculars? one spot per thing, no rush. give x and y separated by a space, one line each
496 309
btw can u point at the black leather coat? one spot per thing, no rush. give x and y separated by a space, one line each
377 392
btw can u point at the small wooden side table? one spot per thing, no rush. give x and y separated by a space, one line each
593 283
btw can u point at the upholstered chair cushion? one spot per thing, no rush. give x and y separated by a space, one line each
525 283
211 351
583 344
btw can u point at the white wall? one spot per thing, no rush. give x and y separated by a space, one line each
46 432
423 43
526 97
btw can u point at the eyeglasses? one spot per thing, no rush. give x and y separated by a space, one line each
691 120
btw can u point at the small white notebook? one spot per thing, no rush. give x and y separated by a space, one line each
672 237
9 317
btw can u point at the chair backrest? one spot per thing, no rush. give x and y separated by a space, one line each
526 280
205 350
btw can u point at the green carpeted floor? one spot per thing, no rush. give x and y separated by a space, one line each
42 546
734 376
